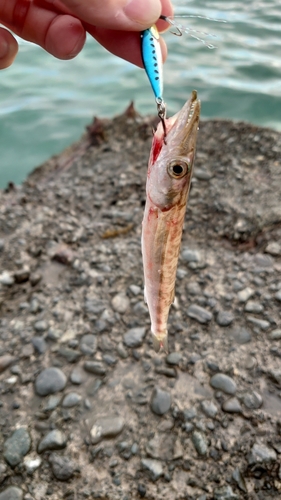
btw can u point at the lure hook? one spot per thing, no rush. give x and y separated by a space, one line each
161 108
177 31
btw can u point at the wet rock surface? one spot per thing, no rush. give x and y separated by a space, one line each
88 409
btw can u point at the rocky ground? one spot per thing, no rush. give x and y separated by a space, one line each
88 410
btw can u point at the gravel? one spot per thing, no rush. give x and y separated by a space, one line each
88 409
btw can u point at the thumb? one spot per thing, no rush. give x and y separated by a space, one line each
128 15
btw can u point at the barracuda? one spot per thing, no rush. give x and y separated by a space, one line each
168 182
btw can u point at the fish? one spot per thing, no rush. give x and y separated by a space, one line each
168 183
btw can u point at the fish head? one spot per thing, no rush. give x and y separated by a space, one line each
172 157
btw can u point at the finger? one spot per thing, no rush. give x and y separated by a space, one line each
125 44
128 15
8 48
61 35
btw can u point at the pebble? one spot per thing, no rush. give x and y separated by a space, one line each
3 471
199 442
39 345
224 318
173 358
71 399
209 408
193 288
54 440
252 400
41 326
63 468
190 255
273 248
237 476
253 307
275 374
106 427
49 381
154 466
135 289
241 335
71 355
5 361
160 402
120 303
223 383
260 323
232 405
225 493
6 278
200 314
245 294
278 295
17 446
134 337
11 493
260 453
52 402
77 376
32 464
88 344
275 334
95 367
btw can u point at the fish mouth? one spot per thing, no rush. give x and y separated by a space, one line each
185 123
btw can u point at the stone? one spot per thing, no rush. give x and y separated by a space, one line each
12 493
95 367
199 442
190 255
5 361
134 337
62 467
261 454
88 344
278 295
232 405
252 400
245 294
54 440
241 335
160 402
260 323
106 427
120 303
224 318
225 493
275 374
71 355
237 476
173 358
153 466
3 471
50 381
71 399
253 306
77 376
209 408
273 248
6 278
32 464
193 288
17 446
200 314
223 383
275 334
39 345
41 326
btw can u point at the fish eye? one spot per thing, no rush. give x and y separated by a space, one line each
178 168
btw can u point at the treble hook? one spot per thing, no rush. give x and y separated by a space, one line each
161 108
178 31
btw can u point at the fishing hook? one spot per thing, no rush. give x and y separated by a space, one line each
178 31
161 108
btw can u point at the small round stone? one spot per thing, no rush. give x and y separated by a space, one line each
49 381
232 405
160 401
77 376
17 446
88 344
5 361
223 383
71 399
120 303
41 326
11 493
260 453
95 367
154 466
106 427
134 337
199 442
63 468
252 400
200 314
54 440
209 408
224 318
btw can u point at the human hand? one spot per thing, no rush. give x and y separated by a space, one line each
60 26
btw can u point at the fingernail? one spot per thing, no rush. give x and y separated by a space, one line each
4 48
145 12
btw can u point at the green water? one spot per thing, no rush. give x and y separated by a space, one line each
45 103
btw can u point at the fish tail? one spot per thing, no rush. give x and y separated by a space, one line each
160 341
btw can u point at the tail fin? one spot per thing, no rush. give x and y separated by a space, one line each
160 342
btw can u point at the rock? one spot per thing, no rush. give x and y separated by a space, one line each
278 295
225 493
275 334
63 468
3 472
245 294
120 303
134 337
253 306
199 442
32 464
200 314
252 400
141 490
173 358
17 446
136 290
22 275
88 344
41 326
223 383
5 361
11 493
77 376
241 335
54 440
154 466
39 345
106 427
71 399
232 405
224 318
209 408
275 374
50 381
237 476
6 278
273 248
160 402
193 288
71 355
260 454
190 255
260 323
95 367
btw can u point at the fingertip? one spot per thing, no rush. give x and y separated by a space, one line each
8 48
65 37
